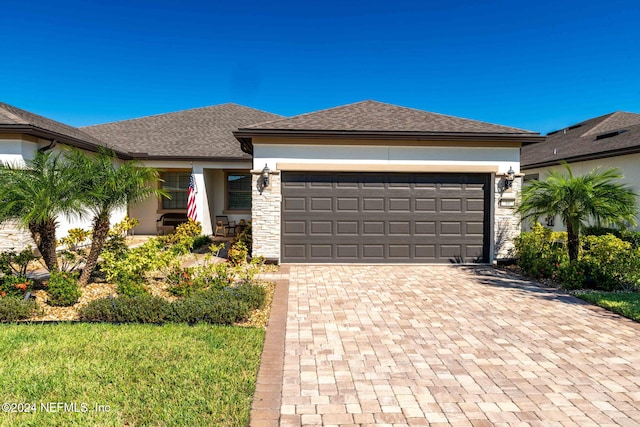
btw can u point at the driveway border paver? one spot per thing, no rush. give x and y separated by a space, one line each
267 400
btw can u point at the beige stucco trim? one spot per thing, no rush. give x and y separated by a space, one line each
384 142
18 136
351 167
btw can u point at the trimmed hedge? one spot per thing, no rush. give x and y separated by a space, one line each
216 306
16 308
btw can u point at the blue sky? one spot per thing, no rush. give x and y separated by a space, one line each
539 65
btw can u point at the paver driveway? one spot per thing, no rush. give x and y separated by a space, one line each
449 345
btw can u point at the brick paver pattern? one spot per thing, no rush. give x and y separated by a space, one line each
451 345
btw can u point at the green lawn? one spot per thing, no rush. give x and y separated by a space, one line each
134 375
624 303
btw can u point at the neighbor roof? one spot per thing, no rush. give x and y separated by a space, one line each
605 136
200 133
16 120
372 119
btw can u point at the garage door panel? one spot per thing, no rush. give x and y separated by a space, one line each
451 205
425 205
451 228
425 228
349 204
400 228
295 227
321 228
295 204
474 228
371 204
373 228
399 251
347 251
295 252
321 204
400 204
373 251
475 205
371 217
321 251
347 228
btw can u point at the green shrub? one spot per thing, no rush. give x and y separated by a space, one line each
136 266
16 263
63 289
130 285
632 237
201 241
12 285
212 306
541 251
137 309
246 238
572 274
186 281
183 239
238 253
252 295
610 263
15 308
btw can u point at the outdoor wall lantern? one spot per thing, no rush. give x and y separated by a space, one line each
509 178
263 181
265 176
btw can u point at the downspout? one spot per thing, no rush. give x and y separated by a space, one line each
48 147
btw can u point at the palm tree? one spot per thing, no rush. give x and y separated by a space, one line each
108 186
594 196
35 195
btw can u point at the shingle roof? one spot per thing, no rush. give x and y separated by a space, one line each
609 135
197 133
373 116
13 119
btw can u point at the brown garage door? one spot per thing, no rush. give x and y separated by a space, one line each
394 217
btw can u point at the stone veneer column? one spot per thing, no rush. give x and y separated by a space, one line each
507 221
265 217
14 238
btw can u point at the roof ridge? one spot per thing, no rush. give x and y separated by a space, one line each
309 113
174 112
601 127
11 114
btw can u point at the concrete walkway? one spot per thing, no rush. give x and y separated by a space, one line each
441 345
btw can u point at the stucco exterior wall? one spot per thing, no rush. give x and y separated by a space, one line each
628 164
394 157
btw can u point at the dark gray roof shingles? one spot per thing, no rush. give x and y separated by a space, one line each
15 118
373 116
197 133
585 141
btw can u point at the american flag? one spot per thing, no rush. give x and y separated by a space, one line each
191 200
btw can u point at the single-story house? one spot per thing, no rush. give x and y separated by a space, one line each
609 141
367 182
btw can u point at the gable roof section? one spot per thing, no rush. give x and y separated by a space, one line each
16 120
605 136
377 120
200 133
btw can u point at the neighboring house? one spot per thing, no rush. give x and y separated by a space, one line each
22 134
366 182
372 182
608 141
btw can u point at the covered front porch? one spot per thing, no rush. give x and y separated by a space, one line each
222 190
